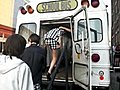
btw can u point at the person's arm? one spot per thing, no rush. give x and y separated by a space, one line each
67 29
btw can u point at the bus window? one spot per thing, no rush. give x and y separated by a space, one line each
27 29
81 30
95 28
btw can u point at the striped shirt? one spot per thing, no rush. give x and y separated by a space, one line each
51 38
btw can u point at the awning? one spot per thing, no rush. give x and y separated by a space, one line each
5 32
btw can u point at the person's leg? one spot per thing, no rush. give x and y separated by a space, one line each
53 62
116 61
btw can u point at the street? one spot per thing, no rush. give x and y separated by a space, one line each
114 84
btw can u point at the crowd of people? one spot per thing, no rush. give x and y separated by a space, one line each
21 67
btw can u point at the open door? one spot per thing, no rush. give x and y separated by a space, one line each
81 50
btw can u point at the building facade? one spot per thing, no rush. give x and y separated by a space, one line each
8 15
115 22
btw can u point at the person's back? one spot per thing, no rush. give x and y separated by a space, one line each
34 56
14 73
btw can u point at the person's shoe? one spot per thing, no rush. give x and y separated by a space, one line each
48 76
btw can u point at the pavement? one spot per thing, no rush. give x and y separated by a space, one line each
114 83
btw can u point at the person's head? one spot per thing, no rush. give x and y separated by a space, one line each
34 38
14 45
118 47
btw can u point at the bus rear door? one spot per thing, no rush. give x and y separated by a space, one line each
81 50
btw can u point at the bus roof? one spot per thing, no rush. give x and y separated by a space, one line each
54 9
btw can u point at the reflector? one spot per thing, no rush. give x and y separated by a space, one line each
85 3
95 3
23 11
101 77
29 8
95 57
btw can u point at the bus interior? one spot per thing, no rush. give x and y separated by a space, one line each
64 62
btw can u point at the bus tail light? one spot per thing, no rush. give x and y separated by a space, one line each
23 11
101 74
85 3
101 77
95 3
95 57
30 9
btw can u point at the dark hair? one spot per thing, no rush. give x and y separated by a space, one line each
117 47
14 45
34 38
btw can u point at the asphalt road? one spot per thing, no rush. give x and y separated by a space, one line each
114 84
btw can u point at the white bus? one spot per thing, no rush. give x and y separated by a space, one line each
88 45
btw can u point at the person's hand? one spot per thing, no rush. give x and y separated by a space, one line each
64 28
61 27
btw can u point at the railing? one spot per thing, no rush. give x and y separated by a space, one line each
57 67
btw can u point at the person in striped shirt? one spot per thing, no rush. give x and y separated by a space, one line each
53 40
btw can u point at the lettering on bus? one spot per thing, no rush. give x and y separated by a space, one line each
55 6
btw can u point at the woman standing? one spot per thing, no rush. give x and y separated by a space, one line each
14 73
53 40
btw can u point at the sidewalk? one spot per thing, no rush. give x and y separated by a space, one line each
114 84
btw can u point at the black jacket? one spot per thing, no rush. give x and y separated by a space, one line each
34 56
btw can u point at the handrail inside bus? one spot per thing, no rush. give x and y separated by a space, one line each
57 67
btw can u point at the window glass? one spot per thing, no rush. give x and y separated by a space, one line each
95 28
27 29
82 30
